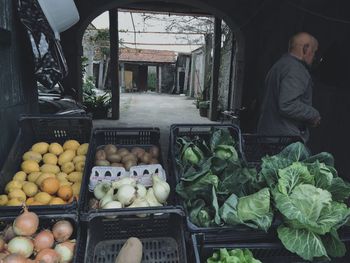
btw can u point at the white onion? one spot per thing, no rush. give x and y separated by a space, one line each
66 251
21 245
126 194
124 181
161 189
141 190
113 205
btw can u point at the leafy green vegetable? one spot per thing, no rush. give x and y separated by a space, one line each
253 210
221 137
233 256
226 152
305 243
190 152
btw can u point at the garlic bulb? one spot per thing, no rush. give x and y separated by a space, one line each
161 189
126 194
124 181
141 190
151 199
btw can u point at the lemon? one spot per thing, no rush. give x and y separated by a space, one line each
40 147
3 200
14 202
42 177
30 189
20 176
76 188
32 177
79 167
79 158
83 149
55 148
43 198
66 157
71 145
31 155
17 194
68 167
12 185
30 166
50 158
75 177
50 168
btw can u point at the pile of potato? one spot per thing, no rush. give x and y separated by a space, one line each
50 174
110 155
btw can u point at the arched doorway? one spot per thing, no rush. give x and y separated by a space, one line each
89 12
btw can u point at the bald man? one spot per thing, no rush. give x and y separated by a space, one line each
287 106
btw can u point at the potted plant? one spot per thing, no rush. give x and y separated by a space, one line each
203 108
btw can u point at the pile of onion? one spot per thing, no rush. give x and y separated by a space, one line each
22 242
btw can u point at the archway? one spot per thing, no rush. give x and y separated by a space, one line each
89 12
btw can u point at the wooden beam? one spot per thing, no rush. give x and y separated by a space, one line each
214 90
114 67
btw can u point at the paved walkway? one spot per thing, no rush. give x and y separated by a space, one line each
155 110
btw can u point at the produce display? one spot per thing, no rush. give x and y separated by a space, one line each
233 256
219 189
50 174
26 241
110 155
126 192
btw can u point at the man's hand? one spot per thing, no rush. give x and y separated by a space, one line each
316 122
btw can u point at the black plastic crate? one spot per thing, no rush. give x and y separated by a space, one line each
266 252
33 129
255 146
204 131
162 236
47 222
126 138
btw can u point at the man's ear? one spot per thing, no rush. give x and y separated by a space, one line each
305 48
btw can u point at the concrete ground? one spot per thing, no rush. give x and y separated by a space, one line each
155 110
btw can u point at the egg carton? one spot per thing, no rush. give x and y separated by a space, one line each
142 174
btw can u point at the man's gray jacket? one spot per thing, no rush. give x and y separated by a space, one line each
287 109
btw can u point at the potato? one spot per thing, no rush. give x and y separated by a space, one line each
122 152
102 163
79 158
68 167
83 149
40 147
50 158
146 158
75 177
71 145
56 148
139 152
129 157
66 157
129 164
154 161
117 165
154 151
114 158
100 155
110 149
30 167
31 155
50 168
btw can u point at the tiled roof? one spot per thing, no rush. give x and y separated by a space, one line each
146 55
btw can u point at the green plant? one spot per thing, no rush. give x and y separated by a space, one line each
204 104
